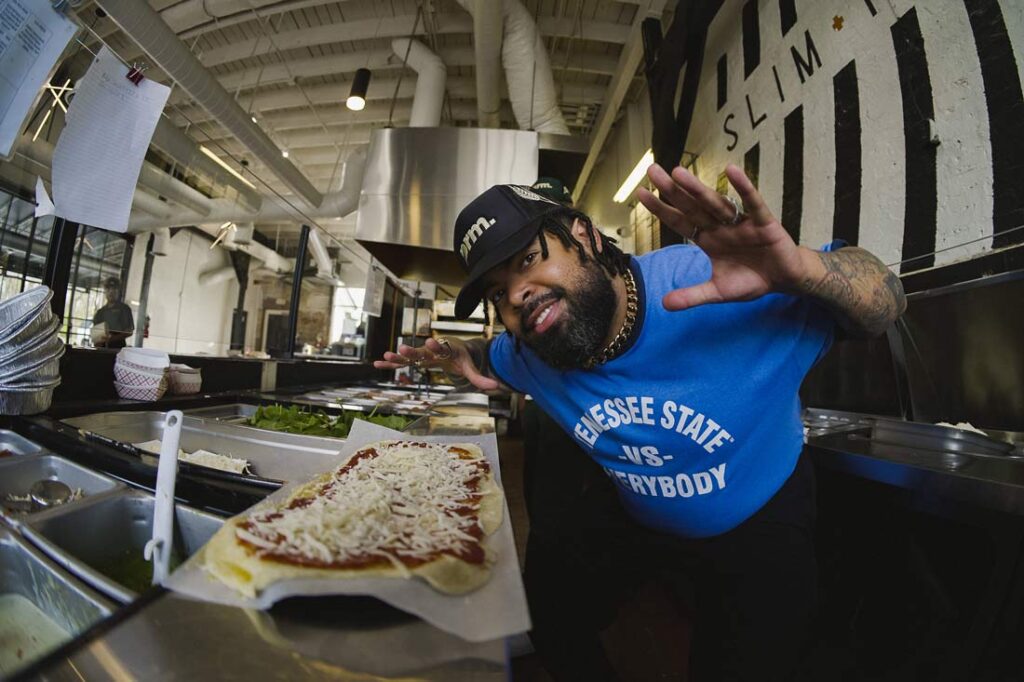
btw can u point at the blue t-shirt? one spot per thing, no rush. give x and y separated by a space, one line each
698 421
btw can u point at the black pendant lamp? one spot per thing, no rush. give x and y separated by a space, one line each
357 95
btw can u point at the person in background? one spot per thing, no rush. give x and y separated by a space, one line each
678 373
115 315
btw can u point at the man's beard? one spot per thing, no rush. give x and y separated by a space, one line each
589 309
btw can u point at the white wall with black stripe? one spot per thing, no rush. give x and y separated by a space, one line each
896 125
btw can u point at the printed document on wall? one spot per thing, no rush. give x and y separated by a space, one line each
100 151
32 38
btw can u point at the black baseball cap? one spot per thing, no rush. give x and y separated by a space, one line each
491 229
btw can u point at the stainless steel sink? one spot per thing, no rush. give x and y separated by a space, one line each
48 606
19 445
101 540
17 474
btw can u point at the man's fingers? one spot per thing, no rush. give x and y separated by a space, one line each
671 192
753 203
484 383
396 359
710 201
681 299
669 215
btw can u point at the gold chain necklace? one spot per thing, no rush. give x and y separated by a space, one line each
613 348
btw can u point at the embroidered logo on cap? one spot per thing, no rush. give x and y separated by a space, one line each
473 234
527 194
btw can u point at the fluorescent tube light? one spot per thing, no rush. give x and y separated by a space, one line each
229 169
634 177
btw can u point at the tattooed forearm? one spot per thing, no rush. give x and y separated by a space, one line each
864 294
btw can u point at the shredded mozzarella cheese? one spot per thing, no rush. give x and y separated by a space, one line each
401 503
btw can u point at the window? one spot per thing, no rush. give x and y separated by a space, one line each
24 240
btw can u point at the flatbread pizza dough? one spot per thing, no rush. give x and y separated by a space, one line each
396 509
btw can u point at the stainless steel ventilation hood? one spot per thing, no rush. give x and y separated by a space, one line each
416 182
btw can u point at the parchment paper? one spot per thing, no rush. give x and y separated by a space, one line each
498 609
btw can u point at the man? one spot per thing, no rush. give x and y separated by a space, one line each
678 373
116 317
555 469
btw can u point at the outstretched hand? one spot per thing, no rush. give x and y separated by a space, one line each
751 253
451 355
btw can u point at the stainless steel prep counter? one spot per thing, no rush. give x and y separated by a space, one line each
167 637
848 445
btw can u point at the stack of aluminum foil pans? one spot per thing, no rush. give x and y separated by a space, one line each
30 352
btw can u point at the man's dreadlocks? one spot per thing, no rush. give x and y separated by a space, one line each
610 257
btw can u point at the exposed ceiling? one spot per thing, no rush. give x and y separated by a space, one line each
290 64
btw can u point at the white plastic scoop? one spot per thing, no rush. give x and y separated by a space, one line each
158 549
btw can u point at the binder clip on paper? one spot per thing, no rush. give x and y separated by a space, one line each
135 74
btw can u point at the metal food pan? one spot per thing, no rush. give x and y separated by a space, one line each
18 475
19 445
234 412
935 437
272 454
71 606
92 539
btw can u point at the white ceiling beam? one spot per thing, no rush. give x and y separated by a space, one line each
379 90
399 27
378 61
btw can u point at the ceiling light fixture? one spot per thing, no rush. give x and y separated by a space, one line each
226 167
357 95
634 177
284 153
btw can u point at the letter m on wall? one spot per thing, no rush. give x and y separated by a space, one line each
805 67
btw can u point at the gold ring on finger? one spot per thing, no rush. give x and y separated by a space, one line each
447 349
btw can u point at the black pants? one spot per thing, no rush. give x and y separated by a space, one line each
754 587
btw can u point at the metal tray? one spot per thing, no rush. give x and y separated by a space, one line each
19 445
239 413
235 413
272 454
26 572
18 475
939 438
101 532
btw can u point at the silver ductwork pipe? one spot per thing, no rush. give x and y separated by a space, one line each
487 42
161 241
335 205
175 190
185 15
428 99
531 85
152 178
144 25
271 259
183 149
324 264
216 276
150 204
